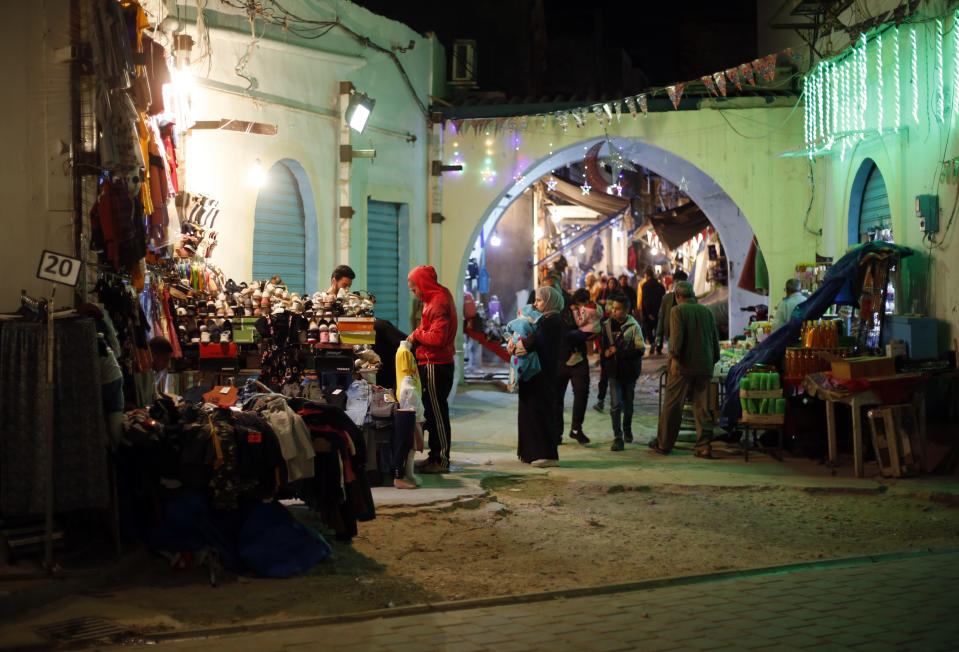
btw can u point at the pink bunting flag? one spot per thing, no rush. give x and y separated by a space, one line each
733 75
720 80
675 94
706 79
642 104
746 71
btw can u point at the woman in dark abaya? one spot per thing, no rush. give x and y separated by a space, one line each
537 396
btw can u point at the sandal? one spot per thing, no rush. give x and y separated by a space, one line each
704 454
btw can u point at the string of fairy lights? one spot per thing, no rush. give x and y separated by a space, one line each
838 108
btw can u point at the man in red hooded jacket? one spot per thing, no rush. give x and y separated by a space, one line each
433 344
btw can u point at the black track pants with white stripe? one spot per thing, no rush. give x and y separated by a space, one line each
437 381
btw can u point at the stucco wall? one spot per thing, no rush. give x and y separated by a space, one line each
297 89
910 161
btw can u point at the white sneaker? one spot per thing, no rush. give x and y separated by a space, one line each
544 463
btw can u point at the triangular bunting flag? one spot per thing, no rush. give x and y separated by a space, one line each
795 57
523 123
598 112
720 82
770 62
746 72
631 105
706 79
733 75
563 119
641 100
675 93
617 109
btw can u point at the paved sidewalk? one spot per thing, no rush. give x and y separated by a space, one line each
891 604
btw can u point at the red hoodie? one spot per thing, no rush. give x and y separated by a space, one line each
437 329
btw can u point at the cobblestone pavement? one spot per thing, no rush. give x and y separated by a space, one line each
890 603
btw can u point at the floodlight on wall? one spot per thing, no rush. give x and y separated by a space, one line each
495 240
256 177
358 111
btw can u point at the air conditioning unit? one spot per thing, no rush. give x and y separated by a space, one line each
463 70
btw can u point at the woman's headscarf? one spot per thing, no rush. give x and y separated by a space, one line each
552 299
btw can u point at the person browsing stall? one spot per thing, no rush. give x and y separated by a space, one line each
433 342
784 310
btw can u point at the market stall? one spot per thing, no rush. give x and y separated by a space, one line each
831 349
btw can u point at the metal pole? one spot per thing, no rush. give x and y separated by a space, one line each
48 528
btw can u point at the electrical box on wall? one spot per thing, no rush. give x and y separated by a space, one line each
927 210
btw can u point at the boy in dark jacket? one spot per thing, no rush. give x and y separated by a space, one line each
622 348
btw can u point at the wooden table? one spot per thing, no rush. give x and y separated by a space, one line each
814 385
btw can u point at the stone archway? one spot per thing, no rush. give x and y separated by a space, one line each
734 230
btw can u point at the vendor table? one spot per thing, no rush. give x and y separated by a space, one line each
859 393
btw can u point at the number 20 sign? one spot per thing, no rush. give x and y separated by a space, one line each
58 268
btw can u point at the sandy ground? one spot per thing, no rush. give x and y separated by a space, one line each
600 518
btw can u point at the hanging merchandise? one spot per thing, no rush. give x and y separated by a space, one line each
641 99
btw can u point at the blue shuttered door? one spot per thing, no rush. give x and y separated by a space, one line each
278 235
383 257
874 214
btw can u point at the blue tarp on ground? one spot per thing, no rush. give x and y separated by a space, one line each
841 285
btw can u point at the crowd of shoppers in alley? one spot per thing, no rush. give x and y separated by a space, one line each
607 320
618 324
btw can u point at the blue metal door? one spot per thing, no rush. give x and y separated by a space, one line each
383 257
875 218
278 234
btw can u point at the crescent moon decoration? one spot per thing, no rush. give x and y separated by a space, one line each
595 178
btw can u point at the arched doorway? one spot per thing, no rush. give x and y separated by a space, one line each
733 229
285 231
870 217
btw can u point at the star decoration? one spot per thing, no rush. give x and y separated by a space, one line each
683 184
585 188
551 183
614 189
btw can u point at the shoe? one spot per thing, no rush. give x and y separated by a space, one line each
628 437
419 465
578 436
574 359
598 406
544 463
704 454
654 446
434 467
617 444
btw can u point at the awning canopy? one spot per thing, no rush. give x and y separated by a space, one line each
677 225
597 201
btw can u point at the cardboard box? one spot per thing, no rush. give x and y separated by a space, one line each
863 367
